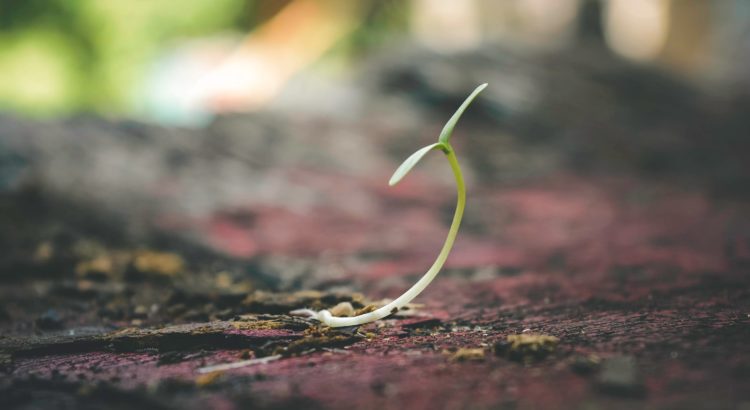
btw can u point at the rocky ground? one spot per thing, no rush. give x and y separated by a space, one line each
603 261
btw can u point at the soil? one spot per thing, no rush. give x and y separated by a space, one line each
599 286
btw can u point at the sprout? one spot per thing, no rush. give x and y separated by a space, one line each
443 144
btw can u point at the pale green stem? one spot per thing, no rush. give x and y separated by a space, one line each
325 316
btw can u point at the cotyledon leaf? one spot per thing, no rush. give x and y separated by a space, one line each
410 162
445 134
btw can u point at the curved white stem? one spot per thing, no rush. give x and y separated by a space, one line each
325 316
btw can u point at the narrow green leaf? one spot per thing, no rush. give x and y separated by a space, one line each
407 165
448 129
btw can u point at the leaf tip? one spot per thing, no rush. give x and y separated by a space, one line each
410 162
445 134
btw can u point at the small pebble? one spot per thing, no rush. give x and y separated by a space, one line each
49 320
619 376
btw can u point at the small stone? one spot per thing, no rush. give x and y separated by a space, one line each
585 365
619 377
49 320
140 311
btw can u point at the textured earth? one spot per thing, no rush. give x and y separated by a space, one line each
137 257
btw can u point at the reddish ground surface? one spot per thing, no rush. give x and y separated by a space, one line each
645 286
602 263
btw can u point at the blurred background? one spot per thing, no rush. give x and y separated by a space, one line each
181 63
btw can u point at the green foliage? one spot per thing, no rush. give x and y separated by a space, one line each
407 165
443 140
445 135
60 56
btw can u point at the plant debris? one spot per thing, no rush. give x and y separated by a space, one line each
468 354
343 309
208 379
318 338
526 347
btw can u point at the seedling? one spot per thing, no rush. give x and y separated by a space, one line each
443 145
